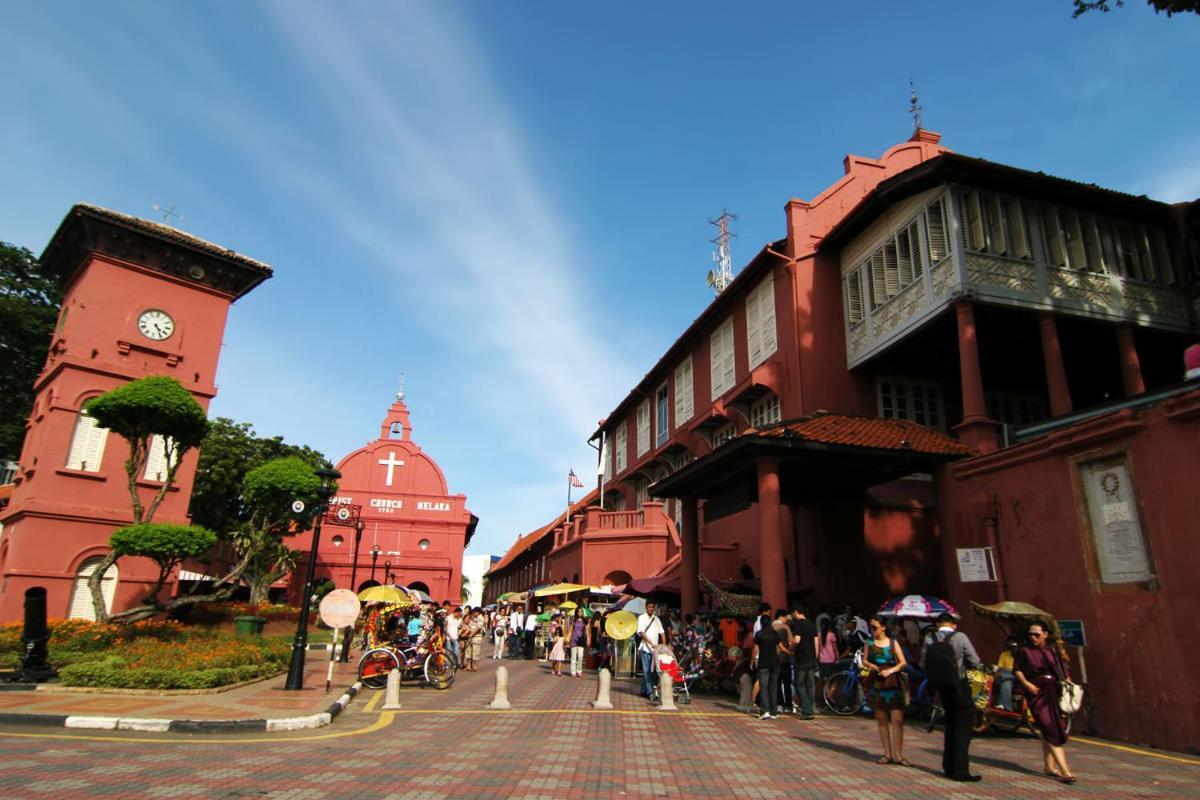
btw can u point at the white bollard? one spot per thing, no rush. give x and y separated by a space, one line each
745 693
500 701
604 694
391 700
666 692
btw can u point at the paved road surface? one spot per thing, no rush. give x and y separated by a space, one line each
445 745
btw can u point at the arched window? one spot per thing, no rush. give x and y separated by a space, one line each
419 586
87 444
81 598
618 577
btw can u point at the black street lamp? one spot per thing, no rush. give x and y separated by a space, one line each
387 573
358 529
295 677
375 551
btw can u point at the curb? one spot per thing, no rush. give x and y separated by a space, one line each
156 725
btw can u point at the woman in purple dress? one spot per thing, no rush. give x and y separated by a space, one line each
1040 670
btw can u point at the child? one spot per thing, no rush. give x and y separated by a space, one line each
557 653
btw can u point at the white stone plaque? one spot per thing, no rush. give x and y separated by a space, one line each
973 565
1120 547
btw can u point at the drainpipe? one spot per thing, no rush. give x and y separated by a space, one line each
794 262
991 527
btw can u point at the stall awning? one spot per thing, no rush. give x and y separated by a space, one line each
559 588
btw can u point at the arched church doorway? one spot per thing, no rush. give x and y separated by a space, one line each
618 577
81 597
366 585
419 586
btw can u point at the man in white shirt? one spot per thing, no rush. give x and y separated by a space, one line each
516 627
453 621
649 634
531 624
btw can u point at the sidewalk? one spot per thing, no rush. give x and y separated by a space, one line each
250 706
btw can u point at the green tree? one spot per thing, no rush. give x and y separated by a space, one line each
164 544
1170 7
29 302
267 494
138 411
229 452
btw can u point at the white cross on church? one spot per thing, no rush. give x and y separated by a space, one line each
391 462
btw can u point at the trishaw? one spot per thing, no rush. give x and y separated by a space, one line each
1014 618
426 658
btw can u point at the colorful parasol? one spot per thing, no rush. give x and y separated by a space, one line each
916 606
384 594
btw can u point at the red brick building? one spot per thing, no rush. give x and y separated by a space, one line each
139 299
399 495
801 431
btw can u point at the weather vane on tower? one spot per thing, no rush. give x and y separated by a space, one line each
914 105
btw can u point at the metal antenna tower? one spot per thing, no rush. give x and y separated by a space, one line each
167 213
722 276
914 105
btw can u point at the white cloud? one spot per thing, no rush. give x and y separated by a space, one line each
1177 182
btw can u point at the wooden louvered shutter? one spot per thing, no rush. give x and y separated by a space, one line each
854 297
753 329
891 269
684 404
878 281
87 444
935 229
156 460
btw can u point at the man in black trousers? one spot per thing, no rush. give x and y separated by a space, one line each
946 660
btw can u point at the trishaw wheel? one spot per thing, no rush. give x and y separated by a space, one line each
980 721
439 670
1008 721
842 697
374 666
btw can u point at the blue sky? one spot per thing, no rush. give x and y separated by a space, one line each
507 201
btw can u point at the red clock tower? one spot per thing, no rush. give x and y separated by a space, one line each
139 299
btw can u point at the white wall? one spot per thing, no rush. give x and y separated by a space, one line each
473 569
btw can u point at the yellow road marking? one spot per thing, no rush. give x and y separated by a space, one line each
374 701
385 719
1195 762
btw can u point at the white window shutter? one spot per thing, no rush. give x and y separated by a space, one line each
81 596
87 444
891 269
622 446
684 404
156 460
721 359
854 297
727 355
753 329
643 427
766 318
935 228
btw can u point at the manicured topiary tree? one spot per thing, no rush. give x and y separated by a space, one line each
268 493
137 412
165 544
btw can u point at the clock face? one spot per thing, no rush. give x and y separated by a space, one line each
156 325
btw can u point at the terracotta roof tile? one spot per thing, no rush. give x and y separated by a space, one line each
874 432
174 234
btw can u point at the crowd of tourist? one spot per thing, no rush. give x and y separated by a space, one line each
787 654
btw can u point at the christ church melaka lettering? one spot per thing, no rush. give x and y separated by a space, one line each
385 505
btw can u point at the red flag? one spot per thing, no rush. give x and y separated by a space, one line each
573 479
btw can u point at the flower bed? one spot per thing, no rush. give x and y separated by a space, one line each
215 613
151 655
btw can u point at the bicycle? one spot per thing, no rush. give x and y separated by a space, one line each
843 690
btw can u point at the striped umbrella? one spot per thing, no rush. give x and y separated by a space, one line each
916 606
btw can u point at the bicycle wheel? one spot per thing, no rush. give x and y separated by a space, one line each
936 712
439 670
843 696
374 666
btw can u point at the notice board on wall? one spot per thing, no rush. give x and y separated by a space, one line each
1121 553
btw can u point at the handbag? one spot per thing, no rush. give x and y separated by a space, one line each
1070 696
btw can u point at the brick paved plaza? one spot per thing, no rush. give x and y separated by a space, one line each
551 745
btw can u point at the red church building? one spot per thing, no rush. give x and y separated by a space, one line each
948 376
139 299
401 520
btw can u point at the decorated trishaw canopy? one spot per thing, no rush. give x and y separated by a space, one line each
1014 611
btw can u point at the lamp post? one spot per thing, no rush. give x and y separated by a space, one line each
387 573
358 529
375 551
295 677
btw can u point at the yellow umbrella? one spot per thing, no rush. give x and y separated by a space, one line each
384 594
560 588
568 605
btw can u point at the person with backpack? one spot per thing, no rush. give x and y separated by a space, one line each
946 659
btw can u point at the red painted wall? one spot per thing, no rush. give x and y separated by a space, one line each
1140 639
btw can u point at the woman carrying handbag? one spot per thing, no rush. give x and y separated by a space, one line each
1042 673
